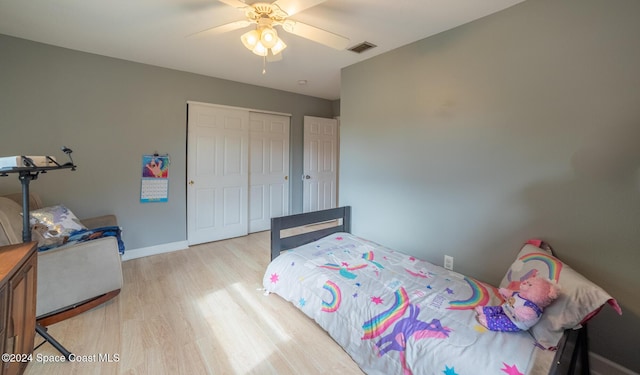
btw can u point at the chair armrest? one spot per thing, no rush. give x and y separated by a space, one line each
100 221
68 275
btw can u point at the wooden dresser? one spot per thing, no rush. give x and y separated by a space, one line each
18 272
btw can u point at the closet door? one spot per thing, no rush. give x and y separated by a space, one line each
320 173
268 169
217 173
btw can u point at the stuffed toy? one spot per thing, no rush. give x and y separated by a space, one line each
46 237
522 308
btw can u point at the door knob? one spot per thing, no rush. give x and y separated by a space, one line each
191 182
307 177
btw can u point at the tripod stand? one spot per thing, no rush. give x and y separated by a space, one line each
27 174
42 331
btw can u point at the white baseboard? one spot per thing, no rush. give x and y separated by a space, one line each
153 250
602 366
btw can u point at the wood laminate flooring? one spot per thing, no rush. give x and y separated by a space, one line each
195 311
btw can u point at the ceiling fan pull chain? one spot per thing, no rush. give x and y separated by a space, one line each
264 64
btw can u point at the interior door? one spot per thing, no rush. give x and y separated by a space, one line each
217 173
268 169
320 177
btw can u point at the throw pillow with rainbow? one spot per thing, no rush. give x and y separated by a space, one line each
552 263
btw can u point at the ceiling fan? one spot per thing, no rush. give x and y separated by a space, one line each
264 40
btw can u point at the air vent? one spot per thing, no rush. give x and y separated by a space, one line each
359 48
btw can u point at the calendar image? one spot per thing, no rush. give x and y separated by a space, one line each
155 166
154 186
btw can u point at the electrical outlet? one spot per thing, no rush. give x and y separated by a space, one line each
448 262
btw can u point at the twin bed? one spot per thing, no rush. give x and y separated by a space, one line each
396 314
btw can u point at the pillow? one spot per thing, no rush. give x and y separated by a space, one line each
579 299
54 222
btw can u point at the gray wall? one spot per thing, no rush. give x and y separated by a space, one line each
524 124
111 112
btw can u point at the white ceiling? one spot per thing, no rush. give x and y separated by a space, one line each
155 32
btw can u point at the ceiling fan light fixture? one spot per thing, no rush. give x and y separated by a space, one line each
269 37
278 47
262 40
250 39
260 49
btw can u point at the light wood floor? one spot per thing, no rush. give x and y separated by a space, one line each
196 311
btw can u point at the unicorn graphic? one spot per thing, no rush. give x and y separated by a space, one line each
344 269
406 328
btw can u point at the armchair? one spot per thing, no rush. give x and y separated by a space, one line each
71 278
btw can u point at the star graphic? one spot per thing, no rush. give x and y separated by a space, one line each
355 295
345 264
429 287
511 370
480 328
376 300
302 302
449 291
449 371
274 278
339 238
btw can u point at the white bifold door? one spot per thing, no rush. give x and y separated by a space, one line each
237 171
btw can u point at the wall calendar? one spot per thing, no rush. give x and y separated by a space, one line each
154 186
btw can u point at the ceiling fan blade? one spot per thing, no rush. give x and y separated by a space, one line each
317 35
221 29
295 6
235 3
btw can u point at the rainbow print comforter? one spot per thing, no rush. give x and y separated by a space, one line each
395 314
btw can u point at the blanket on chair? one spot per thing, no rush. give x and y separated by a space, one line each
88 235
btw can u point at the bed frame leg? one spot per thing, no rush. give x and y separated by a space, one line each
583 340
580 353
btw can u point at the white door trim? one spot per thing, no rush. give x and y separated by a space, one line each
239 108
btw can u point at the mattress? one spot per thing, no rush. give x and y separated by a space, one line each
396 314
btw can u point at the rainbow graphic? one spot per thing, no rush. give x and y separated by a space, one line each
368 256
344 271
335 267
554 265
374 327
336 297
479 296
